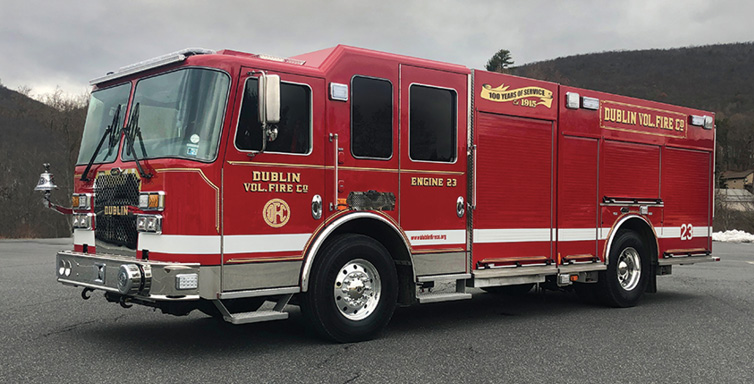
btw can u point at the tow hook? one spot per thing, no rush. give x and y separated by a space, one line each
124 302
85 293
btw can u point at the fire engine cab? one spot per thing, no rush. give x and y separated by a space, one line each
349 181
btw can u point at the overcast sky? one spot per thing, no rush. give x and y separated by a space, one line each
51 43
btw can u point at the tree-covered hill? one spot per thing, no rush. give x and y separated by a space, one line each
719 78
32 133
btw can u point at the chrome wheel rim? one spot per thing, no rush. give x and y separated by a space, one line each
357 289
629 268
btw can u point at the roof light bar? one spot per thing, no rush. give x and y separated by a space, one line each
281 59
155 62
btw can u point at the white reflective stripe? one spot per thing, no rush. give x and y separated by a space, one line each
179 244
675 232
669 232
577 234
511 235
83 236
604 233
266 243
447 237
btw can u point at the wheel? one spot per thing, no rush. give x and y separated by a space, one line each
626 277
247 304
353 288
510 290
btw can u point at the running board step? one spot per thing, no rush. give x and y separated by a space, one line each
255 317
687 260
515 271
439 297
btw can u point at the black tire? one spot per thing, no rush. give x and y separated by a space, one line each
247 304
510 290
353 304
627 274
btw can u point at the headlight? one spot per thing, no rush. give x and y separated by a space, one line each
152 201
83 220
149 223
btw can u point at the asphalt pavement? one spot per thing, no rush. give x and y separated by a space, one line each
697 329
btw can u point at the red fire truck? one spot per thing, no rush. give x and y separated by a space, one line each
348 181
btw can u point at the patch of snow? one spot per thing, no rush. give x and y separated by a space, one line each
733 236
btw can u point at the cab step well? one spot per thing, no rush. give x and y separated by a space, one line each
443 284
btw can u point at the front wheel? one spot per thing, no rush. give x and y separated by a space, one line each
353 289
626 277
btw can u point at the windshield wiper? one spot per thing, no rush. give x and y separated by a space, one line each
132 130
111 129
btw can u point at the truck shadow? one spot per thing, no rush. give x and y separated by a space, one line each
206 337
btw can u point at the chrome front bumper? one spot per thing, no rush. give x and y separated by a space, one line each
154 280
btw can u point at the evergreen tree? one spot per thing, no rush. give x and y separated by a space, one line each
500 61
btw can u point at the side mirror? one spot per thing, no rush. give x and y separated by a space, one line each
269 99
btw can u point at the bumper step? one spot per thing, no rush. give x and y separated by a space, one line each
255 317
276 313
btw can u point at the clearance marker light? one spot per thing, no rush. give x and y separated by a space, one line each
187 281
152 201
572 100
706 122
590 103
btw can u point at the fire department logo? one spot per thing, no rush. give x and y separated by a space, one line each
276 213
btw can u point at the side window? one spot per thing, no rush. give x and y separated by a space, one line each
294 129
371 118
432 124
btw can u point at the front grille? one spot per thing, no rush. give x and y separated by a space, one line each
115 199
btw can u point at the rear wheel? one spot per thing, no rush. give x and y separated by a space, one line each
626 277
353 289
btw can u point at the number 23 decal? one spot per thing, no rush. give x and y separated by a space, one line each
687 232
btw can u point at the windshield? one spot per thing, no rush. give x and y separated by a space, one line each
180 114
102 107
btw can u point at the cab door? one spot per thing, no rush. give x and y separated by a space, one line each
433 168
268 215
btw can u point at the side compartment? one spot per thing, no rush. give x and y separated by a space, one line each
578 201
514 204
685 190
